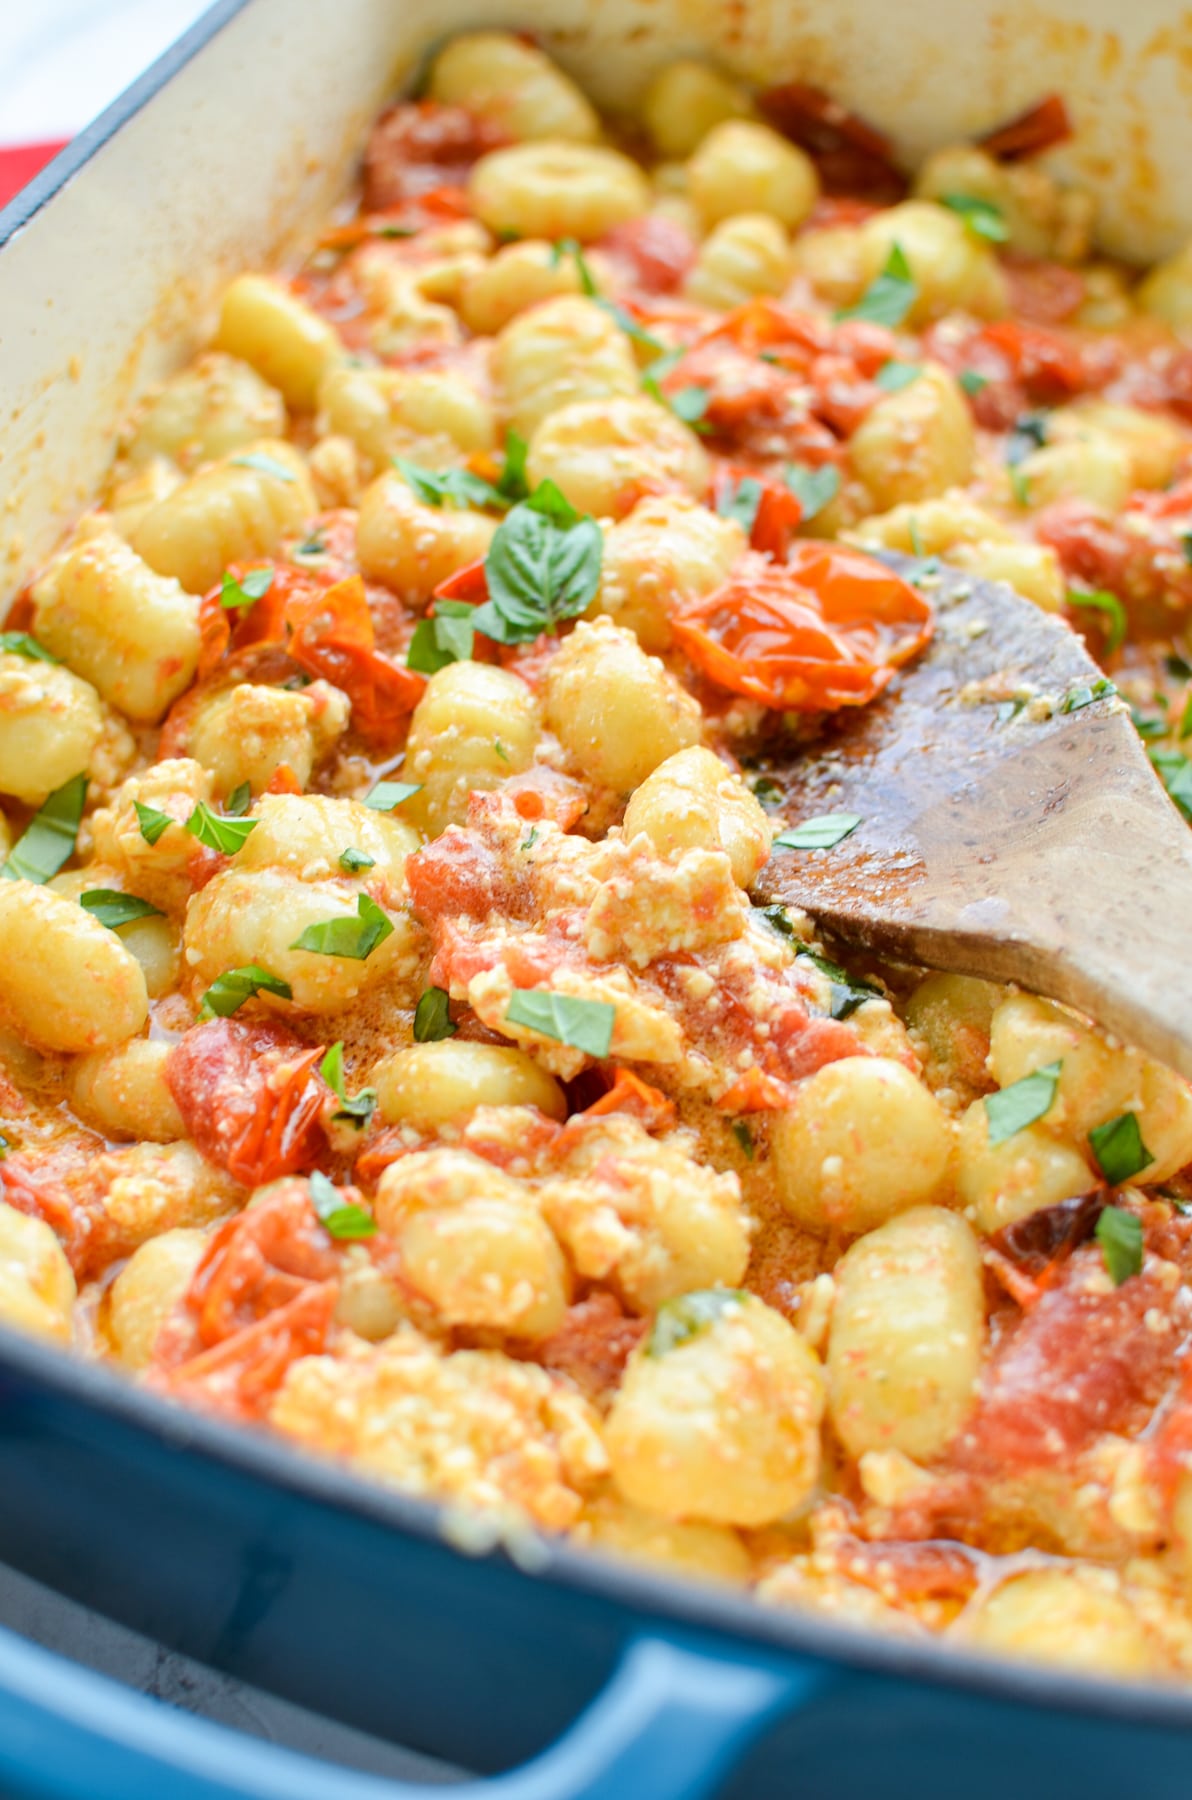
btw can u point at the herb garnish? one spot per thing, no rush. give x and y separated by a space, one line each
1119 1234
19 643
678 1321
388 794
240 595
432 1020
1175 772
114 909
459 486
355 938
740 500
217 832
1102 601
152 822
50 836
238 801
264 465
1084 694
638 334
1020 1104
339 1218
354 1110
894 375
583 1024
1119 1149
228 993
812 488
821 833
889 299
543 566
352 860
446 638
983 218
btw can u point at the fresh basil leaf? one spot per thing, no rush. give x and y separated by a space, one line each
1085 693
339 1218
1119 1149
972 381
432 1020
388 794
264 465
512 484
49 838
240 595
530 839
1185 725
894 376
845 994
355 938
238 801
768 794
779 920
19 643
1102 601
1178 667
740 500
818 834
1028 434
1149 726
689 403
889 299
152 822
1119 1234
114 909
583 1024
1020 1104
543 566
459 486
678 1321
744 1137
1175 772
812 488
353 860
314 545
355 1110
448 637
568 246
1020 485
1008 709
228 993
983 218
218 833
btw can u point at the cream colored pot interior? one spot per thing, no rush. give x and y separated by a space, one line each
111 284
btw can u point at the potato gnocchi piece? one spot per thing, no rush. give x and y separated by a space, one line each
617 712
247 733
474 727
431 418
706 1552
288 344
744 167
604 454
232 511
131 632
217 406
555 189
146 1291
411 547
668 550
474 1243
1077 1617
514 85
435 1084
722 1424
51 722
37 1289
692 801
556 354
66 982
685 101
916 443
124 1093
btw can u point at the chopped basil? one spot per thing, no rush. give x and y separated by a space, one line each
1028 434
1175 772
238 801
568 246
812 488
512 484
1020 485
500 749
1119 1234
678 1321
768 794
50 836
543 566
218 833
1178 667
432 1020
152 822
240 595
530 839
19 643
887 300
264 465
355 938
1020 1104
894 376
1119 1149
584 1024
228 994
744 1137
779 920
845 994
354 1110
1085 693
338 1217
1102 601
740 500
388 794
1186 545
352 861
114 909
1185 725
972 381
689 404
1149 725
818 834
459 486
982 217
1008 709
314 545
446 638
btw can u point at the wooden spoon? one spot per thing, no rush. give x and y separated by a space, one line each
1029 843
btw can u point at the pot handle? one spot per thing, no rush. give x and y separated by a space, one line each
668 1725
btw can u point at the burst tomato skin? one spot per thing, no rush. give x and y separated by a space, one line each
826 629
250 1097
